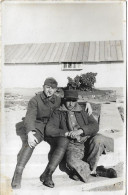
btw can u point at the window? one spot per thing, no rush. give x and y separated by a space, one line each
65 65
71 66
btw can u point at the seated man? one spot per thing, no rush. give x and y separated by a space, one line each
71 121
31 130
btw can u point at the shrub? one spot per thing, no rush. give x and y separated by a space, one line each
73 83
85 82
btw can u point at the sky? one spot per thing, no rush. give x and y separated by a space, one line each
61 22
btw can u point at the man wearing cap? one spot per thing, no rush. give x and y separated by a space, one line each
39 110
31 130
85 144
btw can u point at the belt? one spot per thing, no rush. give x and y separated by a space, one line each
43 119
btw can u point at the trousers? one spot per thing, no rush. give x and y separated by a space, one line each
84 158
25 151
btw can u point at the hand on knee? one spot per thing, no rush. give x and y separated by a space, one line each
32 140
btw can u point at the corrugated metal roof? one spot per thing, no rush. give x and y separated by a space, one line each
73 52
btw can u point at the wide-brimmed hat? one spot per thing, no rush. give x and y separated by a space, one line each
51 82
71 95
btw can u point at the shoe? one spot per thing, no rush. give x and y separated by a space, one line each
48 181
42 177
75 177
46 178
103 172
16 181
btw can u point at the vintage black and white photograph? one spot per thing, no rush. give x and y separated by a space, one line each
63 124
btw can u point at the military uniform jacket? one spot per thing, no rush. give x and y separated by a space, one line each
39 111
58 123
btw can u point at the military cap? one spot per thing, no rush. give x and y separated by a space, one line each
51 82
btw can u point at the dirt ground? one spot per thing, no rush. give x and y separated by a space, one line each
114 187
21 96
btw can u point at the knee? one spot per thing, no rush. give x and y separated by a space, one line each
63 142
97 140
71 161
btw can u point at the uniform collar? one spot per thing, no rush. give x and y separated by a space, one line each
45 98
77 108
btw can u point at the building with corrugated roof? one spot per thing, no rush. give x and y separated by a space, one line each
66 57
63 40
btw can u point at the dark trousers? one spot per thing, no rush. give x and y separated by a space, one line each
25 151
84 158
60 146
56 143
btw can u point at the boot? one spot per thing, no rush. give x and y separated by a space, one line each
16 180
74 177
43 175
48 179
57 156
22 161
103 172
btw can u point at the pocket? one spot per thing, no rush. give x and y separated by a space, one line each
40 126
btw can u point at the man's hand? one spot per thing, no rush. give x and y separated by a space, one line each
74 134
88 108
67 134
32 140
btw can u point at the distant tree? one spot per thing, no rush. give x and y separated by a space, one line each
87 81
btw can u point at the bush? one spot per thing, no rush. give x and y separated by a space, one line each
85 82
73 83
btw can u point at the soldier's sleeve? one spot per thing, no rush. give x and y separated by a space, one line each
92 126
31 115
53 126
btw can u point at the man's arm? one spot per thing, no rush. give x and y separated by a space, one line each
92 127
88 108
29 122
31 115
53 126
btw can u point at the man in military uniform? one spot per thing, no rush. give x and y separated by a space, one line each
86 145
31 130
39 110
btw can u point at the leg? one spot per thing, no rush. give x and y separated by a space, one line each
58 154
74 156
53 145
22 159
63 166
96 147
24 142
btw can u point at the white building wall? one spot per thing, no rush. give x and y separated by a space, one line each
108 75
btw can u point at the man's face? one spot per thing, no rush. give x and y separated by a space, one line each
70 104
49 91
